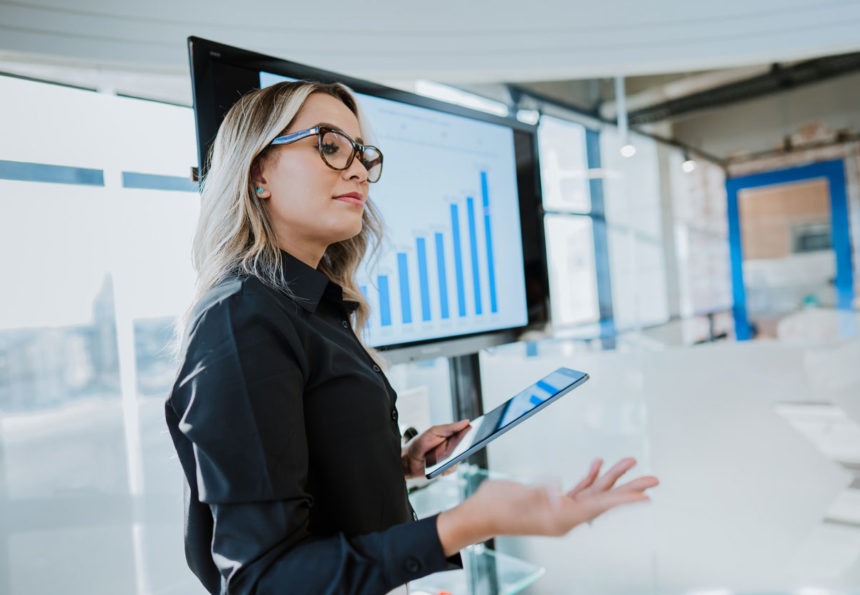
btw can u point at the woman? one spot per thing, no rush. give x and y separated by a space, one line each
284 422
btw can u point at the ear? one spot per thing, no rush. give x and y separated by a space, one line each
257 177
259 180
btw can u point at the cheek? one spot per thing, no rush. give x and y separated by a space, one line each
293 210
301 201
305 178
297 185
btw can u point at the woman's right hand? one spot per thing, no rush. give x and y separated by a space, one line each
509 508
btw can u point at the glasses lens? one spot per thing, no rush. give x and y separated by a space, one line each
372 160
336 149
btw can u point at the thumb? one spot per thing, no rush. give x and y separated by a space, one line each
452 428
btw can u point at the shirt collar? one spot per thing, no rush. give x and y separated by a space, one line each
310 286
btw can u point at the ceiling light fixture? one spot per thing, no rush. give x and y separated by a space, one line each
689 164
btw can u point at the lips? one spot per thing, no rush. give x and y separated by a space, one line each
352 198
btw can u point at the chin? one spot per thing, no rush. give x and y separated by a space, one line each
349 232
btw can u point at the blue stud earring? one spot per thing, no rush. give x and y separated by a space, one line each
259 190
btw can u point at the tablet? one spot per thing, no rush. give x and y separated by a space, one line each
484 429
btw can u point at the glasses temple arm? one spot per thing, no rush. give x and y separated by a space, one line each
295 136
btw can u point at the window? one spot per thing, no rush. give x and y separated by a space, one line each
573 278
564 166
633 218
568 224
98 215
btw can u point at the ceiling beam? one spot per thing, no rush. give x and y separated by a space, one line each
777 79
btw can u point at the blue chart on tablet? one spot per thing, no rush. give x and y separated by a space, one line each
534 395
451 261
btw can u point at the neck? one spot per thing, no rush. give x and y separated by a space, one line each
307 253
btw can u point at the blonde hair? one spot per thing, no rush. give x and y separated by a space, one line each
235 235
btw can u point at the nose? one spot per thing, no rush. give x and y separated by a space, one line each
356 171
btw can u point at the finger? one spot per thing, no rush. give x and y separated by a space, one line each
427 442
450 429
610 477
439 451
445 448
640 484
450 470
593 472
597 504
613 499
439 440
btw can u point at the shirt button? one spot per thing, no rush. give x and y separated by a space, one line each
376 368
345 324
394 414
412 565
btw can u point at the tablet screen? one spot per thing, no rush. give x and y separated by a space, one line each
487 427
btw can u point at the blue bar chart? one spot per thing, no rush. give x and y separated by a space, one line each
450 262
444 273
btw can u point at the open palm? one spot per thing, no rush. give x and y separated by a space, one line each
543 510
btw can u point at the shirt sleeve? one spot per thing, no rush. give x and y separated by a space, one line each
238 401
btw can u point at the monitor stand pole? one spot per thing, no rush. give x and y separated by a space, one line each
467 402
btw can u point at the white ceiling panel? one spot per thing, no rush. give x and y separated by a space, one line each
446 40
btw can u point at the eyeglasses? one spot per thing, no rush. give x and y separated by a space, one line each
338 150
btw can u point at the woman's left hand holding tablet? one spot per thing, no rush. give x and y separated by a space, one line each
436 442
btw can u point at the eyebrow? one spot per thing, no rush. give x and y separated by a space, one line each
357 139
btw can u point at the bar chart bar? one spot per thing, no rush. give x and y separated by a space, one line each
440 272
473 244
384 301
405 300
423 281
364 293
547 387
488 234
458 260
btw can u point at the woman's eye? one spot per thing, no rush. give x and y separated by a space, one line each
330 148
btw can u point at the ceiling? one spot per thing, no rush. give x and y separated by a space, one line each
446 40
670 52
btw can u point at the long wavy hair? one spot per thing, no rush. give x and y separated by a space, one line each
235 235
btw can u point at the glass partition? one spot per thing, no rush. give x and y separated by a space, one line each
95 241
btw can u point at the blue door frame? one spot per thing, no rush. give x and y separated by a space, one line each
834 172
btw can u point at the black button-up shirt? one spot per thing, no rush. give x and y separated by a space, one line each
287 433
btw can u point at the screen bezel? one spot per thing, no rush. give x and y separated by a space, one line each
221 73
439 467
